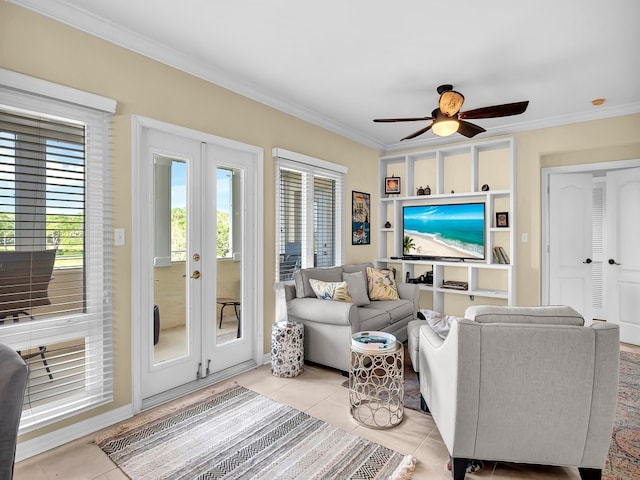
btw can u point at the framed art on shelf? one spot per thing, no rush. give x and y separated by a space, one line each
360 218
392 185
502 219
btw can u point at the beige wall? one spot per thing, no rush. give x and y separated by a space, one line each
33 45
39 47
588 142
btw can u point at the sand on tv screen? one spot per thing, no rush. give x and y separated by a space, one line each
454 231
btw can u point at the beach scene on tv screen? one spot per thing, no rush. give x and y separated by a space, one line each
452 230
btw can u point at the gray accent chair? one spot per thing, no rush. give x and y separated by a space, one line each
522 385
328 325
13 381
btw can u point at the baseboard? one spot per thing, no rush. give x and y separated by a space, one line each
58 437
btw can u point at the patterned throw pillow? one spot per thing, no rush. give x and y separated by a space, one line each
331 290
382 285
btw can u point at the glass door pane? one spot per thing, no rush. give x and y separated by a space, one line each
228 254
170 274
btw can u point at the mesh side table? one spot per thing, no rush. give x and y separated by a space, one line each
287 349
376 386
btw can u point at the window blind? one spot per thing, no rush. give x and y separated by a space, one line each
55 254
309 214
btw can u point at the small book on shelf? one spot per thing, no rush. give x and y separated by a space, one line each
500 255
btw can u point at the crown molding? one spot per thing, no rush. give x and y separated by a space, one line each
116 34
81 20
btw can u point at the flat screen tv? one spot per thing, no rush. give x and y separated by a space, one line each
452 231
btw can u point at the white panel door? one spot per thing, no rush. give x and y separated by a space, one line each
622 238
570 251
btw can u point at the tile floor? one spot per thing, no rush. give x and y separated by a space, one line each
319 392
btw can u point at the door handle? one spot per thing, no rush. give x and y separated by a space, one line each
195 274
613 262
588 260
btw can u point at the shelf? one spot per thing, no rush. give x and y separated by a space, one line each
448 196
503 294
464 169
444 263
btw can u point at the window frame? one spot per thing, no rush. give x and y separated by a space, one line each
310 168
45 99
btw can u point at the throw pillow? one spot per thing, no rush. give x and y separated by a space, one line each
382 285
439 322
357 288
331 290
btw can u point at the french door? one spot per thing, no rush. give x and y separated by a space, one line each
594 262
197 246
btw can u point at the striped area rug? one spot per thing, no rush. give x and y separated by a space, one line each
239 434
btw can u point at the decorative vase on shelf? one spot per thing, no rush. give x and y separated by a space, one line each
387 225
420 191
427 190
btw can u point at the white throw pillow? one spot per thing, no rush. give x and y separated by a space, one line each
439 322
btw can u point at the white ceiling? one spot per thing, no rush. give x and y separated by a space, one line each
341 63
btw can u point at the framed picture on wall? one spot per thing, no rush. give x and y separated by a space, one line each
392 185
360 218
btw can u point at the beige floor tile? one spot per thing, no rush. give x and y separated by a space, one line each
514 471
334 414
74 461
28 470
303 394
404 438
115 474
260 380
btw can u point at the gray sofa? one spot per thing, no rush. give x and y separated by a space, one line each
328 325
522 385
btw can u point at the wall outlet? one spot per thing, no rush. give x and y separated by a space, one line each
119 237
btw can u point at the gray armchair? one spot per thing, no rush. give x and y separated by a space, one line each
13 381
516 384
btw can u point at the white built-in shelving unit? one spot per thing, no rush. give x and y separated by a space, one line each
455 174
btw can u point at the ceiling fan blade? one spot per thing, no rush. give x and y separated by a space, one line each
414 119
495 111
469 129
419 132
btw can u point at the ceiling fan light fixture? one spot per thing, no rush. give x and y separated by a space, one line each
444 128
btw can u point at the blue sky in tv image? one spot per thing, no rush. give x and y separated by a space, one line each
455 231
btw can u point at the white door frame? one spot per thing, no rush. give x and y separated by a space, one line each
141 239
546 173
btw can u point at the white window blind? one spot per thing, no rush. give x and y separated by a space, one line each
309 213
55 254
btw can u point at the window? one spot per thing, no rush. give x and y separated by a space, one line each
55 230
309 213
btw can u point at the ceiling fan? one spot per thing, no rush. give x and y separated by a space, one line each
448 119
